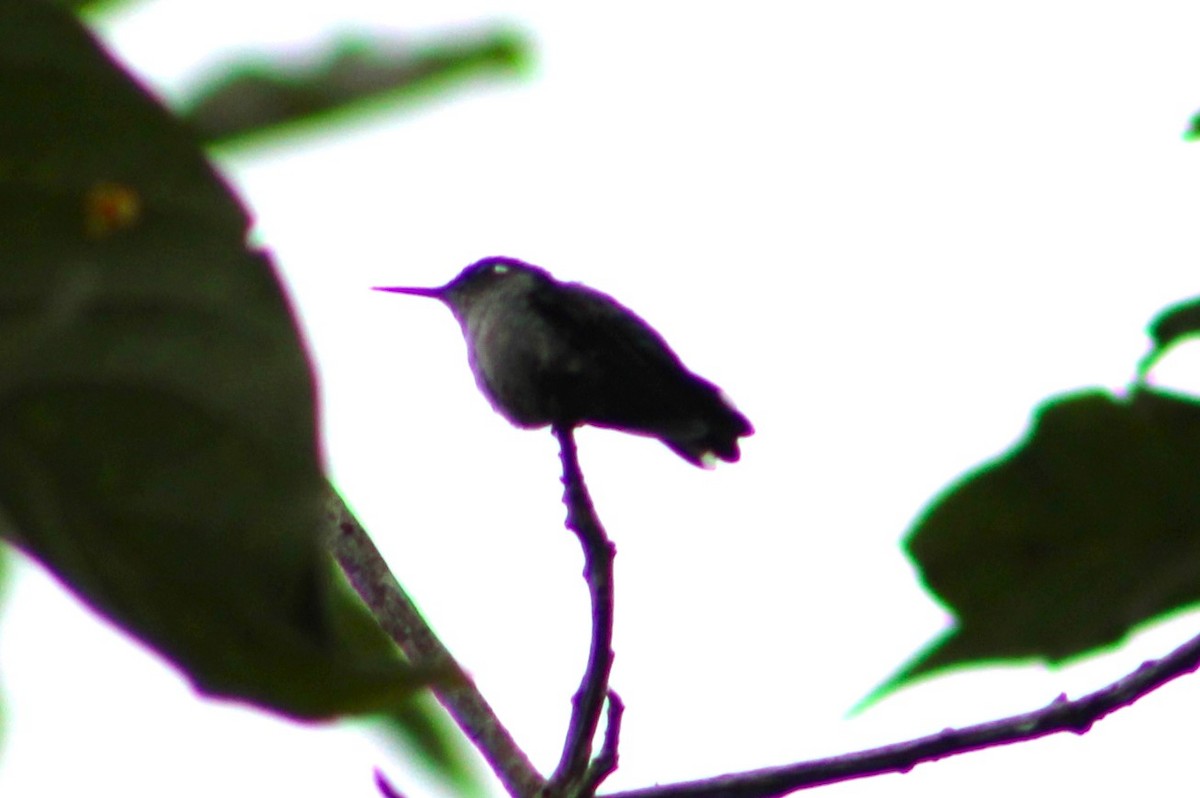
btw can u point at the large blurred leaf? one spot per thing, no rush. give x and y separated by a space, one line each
157 421
1088 528
267 93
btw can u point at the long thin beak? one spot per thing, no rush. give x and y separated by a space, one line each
435 293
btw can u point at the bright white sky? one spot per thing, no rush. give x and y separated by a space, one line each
888 230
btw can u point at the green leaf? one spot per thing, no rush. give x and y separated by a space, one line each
94 8
157 423
423 728
1193 131
266 94
1088 528
1169 327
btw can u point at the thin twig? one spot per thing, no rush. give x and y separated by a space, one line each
1061 715
385 787
598 552
369 574
605 762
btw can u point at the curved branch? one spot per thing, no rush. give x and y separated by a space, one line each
1061 715
588 704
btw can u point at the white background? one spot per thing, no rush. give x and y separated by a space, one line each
888 230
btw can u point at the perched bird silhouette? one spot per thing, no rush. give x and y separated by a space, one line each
548 352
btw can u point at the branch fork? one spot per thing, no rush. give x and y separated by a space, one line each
579 773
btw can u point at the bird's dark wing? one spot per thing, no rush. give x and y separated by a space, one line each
626 376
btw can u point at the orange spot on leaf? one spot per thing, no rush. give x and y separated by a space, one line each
110 208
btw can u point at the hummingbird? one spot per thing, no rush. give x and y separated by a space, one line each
558 353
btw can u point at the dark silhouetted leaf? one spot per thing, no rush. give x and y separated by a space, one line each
267 93
1169 327
1088 528
157 424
